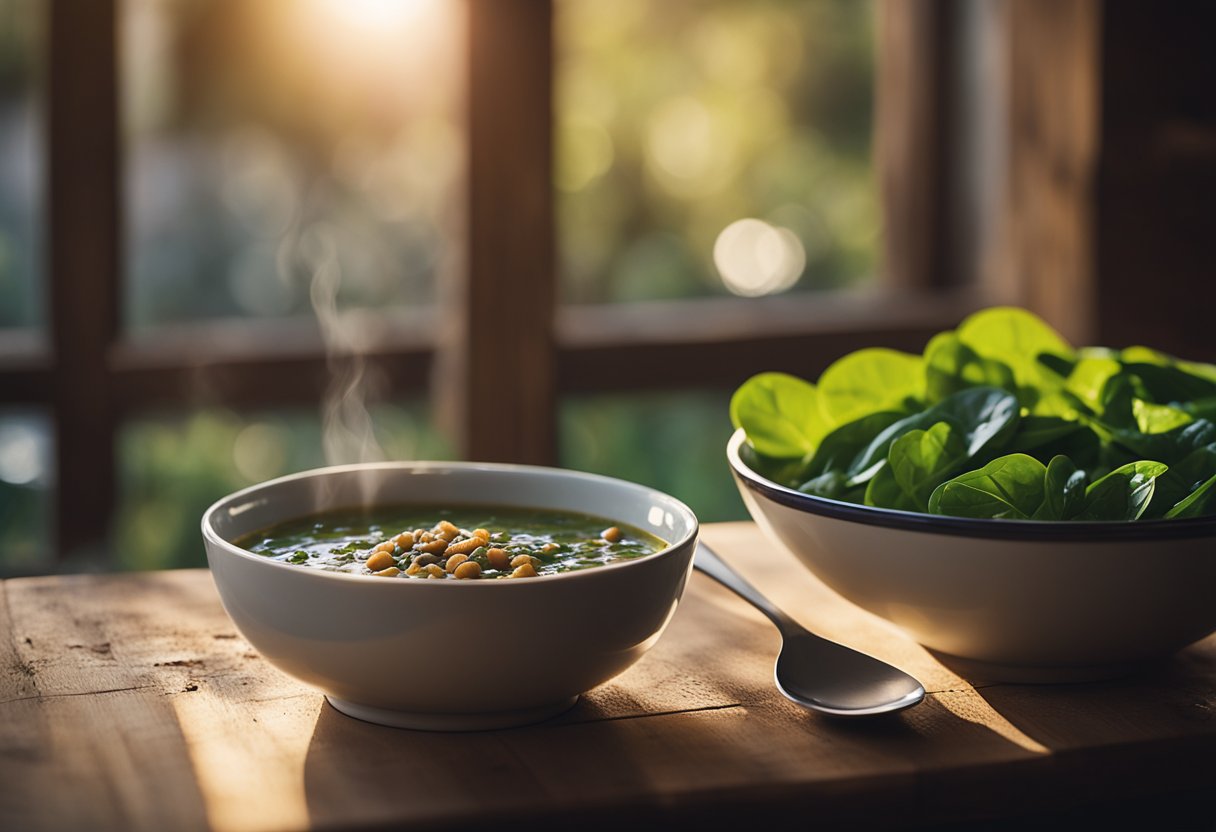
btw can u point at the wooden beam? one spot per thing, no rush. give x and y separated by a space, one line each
246 364
720 343
495 372
84 233
25 368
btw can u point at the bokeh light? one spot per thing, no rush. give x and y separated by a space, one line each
755 258
24 452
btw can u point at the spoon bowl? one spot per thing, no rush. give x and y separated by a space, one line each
817 673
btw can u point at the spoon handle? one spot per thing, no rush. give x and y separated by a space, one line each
707 561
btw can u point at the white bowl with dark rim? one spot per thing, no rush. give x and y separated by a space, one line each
450 655
1004 600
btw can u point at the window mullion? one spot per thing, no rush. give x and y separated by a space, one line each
496 370
84 226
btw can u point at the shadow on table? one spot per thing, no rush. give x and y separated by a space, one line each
1142 743
767 762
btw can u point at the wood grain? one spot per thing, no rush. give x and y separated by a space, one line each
134 694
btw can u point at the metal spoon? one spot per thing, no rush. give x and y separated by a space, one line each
814 672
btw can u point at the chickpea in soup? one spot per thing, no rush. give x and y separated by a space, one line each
475 542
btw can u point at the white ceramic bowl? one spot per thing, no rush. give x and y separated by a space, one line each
1004 600
450 655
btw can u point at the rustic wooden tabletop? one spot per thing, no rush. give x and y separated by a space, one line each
130 702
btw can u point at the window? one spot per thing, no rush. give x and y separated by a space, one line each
600 217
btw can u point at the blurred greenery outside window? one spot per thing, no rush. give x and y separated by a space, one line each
26 471
289 159
675 442
712 147
26 465
20 164
175 464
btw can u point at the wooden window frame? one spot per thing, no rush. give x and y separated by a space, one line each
94 375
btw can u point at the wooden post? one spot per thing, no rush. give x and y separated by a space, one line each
496 366
1053 100
914 140
1156 177
84 233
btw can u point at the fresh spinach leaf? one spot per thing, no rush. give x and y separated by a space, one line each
951 365
788 472
1200 502
1170 384
1011 488
1089 378
869 380
1063 490
1182 479
840 448
829 484
1158 418
918 462
984 416
779 413
1037 431
1123 494
1201 408
1016 338
1170 447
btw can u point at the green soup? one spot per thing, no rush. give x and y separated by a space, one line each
451 542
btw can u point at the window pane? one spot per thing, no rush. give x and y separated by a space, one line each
176 465
286 154
675 442
26 469
20 163
714 147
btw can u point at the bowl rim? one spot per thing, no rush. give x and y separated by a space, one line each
210 535
990 529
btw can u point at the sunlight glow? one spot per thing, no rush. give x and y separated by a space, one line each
375 16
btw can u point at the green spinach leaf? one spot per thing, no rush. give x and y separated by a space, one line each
1016 338
1123 494
1170 447
951 365
1011 488
867 381
1182 480
839 449
1158 418
779 413
1199 503
983 416
918 462
1063 491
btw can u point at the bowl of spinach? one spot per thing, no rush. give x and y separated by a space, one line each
1036 510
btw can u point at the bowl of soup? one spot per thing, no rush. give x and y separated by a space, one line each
448 595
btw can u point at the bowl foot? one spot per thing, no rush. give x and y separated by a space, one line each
974 670
450 722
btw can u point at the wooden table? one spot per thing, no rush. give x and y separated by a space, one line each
130 702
